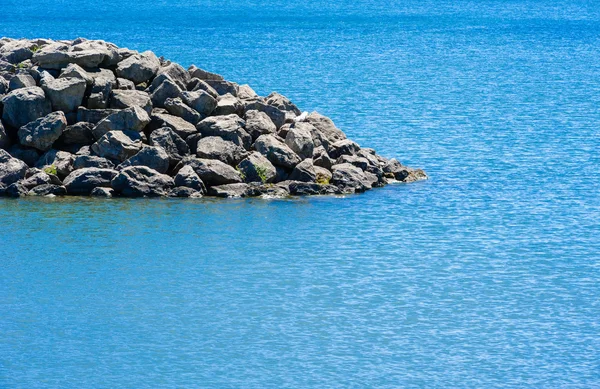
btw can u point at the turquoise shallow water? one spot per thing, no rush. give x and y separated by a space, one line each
487 275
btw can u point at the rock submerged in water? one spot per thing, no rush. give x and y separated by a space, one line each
98 120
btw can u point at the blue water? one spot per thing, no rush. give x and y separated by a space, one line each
487 275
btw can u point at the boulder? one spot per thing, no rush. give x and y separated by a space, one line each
166 90
196 72
187 177
350 178
138 67
304 172
355 160
11 169
65 94
177 124
24 105
133 118
177 107
139 181
121 99
275 114
326 127
21 80
299 139
276 151
61 161
214 147
76 71
79 133
43 132
323 176
223 87
257 168
4 139
39 178
125 84
228 104
399 172
93 116
109 50
100 94
284 104
297 188
83 181
118 145
107 74
16 189
343 147
3 86
245 92
29 155
230 127
259 123
102 192
151 156
196 85
321 158
58 56
85 161
48 190
201 101
229 190
183 191
173 144
176 73
16 51
213 172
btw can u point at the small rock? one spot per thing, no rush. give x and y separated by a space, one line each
175 147
196 72
229 190
76 71
167 89
228 105
48 190
299 139
100 94
343 147
275 114
61 161
177 124
21 80
257 168
350 178
106 193
304 172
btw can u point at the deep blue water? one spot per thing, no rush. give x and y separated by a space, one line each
487 275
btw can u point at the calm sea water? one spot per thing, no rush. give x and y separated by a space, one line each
487 275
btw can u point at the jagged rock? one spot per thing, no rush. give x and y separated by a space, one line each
177 124
304 172
323 176
16 51
203 74
187 177
83 181
284 104
166 90
138 67
48 190
16 189
76 71
359 162
177 107
300 140
350 178
229 190
118 145
85 161
214 147
321 158
39 178
177 73
133 118
24 105
230 127
245 92
57 56
200 100
213 172
79 133
326 127
21 80
28 155
276 151
192 142
269 191
276 115
399 172
223 87
227 105
100 94
3 86
103 73
173 144
139 181
102 192
65 94
259 123
93 115
121 99
257 168
196 85
59 160
43 132
343 147
11 169
297 188
183 191
110 51
151 156
4 139
125 84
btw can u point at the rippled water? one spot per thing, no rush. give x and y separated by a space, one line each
487 275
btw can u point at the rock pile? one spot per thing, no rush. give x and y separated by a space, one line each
86 117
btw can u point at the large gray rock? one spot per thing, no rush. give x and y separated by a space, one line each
65 94
43 132
276 151
321 158
259 123
11 169
177 107
16 51
100 94
229 190
228 104
284 104
58 56
83 181
326 127
138 181
177 124
177 73
201 101
189 178
276 115
39 178
121 99
196 85
166 90
48 190
109 50
24 105
350 178
298 188
213 172
399 172
133 118
300 140
76 71
29 155
257 168
79 133
230 127
343 147
245 92
223 87
304 172
172 143
151 156
118 145
21 80
62 161
93 115
214 147
85 161
201 74
139 67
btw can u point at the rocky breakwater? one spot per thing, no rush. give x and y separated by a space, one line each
86 118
